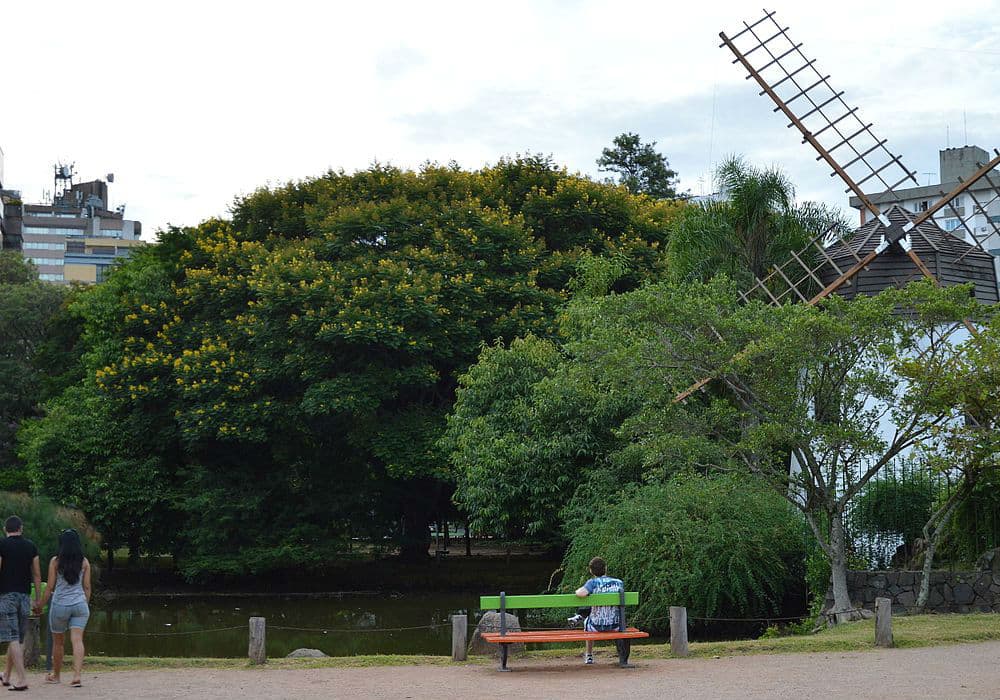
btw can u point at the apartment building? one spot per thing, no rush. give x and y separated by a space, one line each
76 237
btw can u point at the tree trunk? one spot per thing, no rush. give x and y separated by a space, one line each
111 556
468 539
931 540
415 540
838 568
134 552
447 538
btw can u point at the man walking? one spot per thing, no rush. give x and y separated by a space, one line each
18 568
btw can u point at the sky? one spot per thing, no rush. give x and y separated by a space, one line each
191 104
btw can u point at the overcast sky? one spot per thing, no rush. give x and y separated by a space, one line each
193 103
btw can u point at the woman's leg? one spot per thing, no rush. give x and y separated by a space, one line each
58 644
76 635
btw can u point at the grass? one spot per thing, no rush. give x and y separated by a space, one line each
909 632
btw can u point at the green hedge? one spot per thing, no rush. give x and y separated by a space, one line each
719 546
44 520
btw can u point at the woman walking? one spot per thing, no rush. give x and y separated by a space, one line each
69 589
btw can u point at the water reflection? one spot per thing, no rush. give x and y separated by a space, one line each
346 626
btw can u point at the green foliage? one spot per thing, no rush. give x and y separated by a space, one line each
899 504
296 365
640 168
44 520
27 309
719 546
755 226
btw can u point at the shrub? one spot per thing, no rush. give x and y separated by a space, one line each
899 504
718 545
44 520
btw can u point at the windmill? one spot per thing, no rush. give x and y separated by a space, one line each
895 245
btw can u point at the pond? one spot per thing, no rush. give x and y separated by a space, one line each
216 626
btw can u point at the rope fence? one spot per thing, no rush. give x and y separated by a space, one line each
678 623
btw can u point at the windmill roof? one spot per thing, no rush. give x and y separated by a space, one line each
950 259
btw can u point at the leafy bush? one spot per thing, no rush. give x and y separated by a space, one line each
718 545
44 520
899 504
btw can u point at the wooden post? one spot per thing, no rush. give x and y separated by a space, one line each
883 622
258 650
678 631
459 637
32 642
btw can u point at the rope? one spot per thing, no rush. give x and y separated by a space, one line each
165 634
326 630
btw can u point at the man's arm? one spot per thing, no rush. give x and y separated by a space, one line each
36 575
582 591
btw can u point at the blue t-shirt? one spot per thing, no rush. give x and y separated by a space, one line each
604 616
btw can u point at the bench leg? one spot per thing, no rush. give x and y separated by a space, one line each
624 650
503 657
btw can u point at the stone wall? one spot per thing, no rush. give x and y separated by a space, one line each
950 591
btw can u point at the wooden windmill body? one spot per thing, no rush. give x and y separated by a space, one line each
894 246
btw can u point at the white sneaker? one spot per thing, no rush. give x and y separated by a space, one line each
588 659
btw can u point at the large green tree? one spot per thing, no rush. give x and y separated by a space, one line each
639 166
27 309
290 371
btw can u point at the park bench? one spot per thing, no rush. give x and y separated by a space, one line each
622 637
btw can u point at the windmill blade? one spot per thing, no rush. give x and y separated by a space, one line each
820 113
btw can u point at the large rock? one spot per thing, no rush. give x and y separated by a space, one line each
306 654
989 560
490 622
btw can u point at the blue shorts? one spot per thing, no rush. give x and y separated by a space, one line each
62 617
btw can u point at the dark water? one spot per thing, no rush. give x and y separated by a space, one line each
213 626
153 626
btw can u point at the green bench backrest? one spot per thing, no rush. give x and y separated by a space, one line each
559 600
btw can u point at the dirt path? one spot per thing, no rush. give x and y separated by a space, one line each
953 672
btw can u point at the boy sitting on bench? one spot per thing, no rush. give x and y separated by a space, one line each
602 618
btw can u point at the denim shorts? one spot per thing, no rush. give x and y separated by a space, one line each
62 617
14 609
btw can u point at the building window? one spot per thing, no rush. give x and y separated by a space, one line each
111 233
102 272
75 246
951 224
53 231
102 250
47 261
50 277
37 245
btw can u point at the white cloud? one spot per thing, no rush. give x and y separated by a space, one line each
191 103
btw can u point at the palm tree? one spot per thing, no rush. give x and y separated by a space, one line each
756 225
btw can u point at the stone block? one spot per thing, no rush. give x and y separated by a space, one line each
306 654
939 577
963 593
906 578
878 581
934 597
947 593
906 599
982 584
490 622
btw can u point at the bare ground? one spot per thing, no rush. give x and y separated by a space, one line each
951 672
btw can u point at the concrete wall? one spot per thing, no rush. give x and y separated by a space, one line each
950 591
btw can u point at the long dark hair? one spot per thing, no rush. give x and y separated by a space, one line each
70 557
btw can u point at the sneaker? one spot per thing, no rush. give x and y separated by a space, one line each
575 620
588 659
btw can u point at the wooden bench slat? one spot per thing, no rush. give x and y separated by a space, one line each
558 600
547 636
